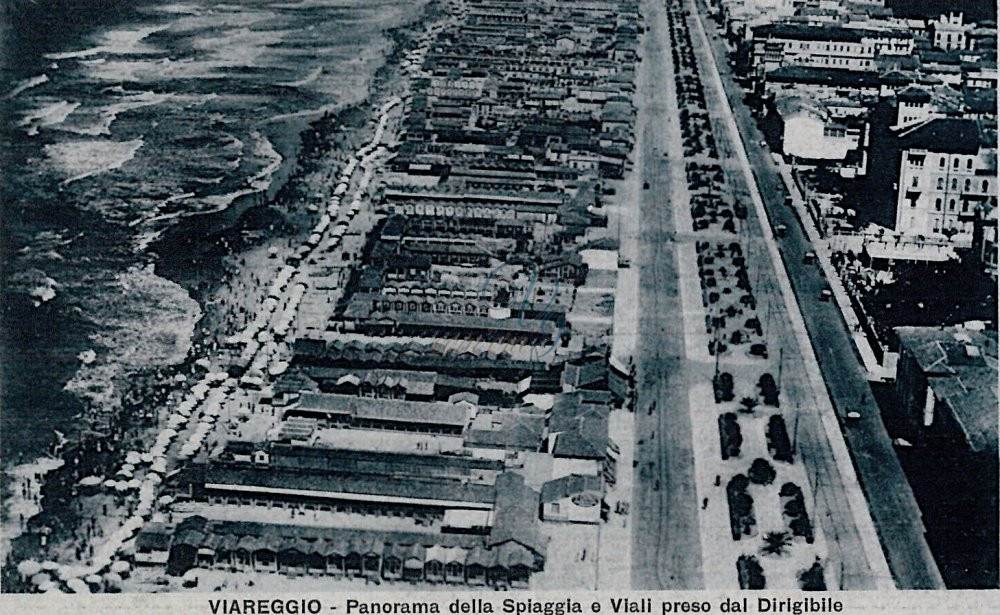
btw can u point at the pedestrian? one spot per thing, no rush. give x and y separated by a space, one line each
704 504
718 480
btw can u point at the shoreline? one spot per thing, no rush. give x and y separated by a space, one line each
342 130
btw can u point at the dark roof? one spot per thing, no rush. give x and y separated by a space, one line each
914 95
516 514
581 429
825 76
360 484
981 101
961 369
946 135
329 541
510 429
824 33
568 486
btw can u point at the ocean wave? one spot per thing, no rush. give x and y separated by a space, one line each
144 321
114 42
79 159
25 85
107 114
263 148
46 116
312 76
34 283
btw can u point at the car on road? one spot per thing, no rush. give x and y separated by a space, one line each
825 294
780 230
762 143
624 263
809 257
645 185
853 415
788 201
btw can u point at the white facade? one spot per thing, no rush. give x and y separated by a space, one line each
825 47
807 136
937 192
575 509
949 32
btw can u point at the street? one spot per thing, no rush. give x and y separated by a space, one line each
666 553
889 497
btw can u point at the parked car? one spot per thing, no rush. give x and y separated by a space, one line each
825 294
809 257
780 230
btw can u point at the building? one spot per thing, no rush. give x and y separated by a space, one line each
947 170
574 498
788 44
946 382
805 129
240 546
948 31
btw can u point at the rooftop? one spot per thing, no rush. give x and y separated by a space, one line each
961 369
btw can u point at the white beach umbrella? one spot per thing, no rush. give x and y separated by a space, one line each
78 586
91 481
50 565
39 578
147 457
110 483
29 568
133 457
165 500
93 579
113 579
134 483
46 586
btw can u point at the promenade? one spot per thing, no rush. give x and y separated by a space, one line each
836 379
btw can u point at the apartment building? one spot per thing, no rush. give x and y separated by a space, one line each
788 44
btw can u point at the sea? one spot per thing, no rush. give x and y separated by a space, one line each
120 120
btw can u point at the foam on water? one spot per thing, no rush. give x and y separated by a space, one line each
47 116
145 321
26 85
77 160
114 42
97 121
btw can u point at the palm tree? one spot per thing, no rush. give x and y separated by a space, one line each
748 404
776 543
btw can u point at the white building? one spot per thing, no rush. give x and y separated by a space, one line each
809 132
788 44
575 499
947 170
949 31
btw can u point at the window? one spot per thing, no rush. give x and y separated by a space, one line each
951 205
941 162
916 181
968 185
986 185
968 164
940 183
954 183
965 206
937 204
954 163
